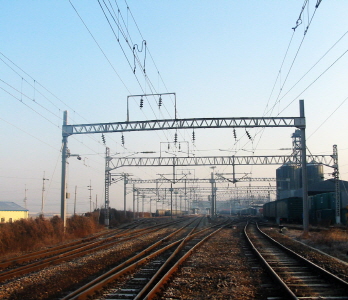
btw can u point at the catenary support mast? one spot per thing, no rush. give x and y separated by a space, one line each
64 162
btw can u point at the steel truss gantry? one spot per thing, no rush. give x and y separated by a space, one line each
116 163
204 189
194 123
198 180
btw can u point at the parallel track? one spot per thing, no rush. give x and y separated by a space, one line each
298 277
146 271
41 259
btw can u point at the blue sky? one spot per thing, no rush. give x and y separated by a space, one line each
221 58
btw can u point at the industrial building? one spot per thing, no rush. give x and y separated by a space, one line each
10 212
322 204
327 199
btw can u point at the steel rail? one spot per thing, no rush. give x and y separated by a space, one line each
98 283
162 281
76 252
304 262
269 269
130 265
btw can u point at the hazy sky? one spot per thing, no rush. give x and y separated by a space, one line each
221 58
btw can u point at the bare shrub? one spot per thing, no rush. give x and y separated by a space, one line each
34 233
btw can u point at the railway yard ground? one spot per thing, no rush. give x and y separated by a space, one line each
222 267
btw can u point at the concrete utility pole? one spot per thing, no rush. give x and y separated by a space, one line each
171 200
304 172
336 175
142 204
125 181
43 192
212 181
25 196
134 191
75 200
90 195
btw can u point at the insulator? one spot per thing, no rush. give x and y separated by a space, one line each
234 134
122 139
160 102
179 146
103 138
175 137
193 136
168 146
248 135
141 103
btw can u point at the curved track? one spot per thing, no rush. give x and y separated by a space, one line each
298 277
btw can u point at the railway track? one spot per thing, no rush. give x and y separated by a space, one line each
298 277
38 260
142 276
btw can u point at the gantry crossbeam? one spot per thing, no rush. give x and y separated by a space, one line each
196 180
204 189
326 160
183 124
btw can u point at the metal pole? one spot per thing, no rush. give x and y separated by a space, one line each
90 195
336 174
138 204
25 197
43 192
304 172
150 207
171 200
212 195
64 162
134 190
107 186
125 194
142 208
75 200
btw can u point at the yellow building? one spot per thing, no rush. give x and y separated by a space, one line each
10 212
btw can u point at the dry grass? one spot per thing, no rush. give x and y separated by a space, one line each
34 233
333 242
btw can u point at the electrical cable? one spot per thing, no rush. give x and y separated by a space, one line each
326 119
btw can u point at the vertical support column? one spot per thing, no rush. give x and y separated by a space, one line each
212 181
107 186
157 194
134 190
304 172
171 200
142 204
336 175
138 204
125 181
64 162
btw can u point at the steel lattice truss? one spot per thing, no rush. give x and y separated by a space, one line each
326 160
205 189
183 124
197 180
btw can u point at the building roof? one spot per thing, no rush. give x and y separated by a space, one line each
10 206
